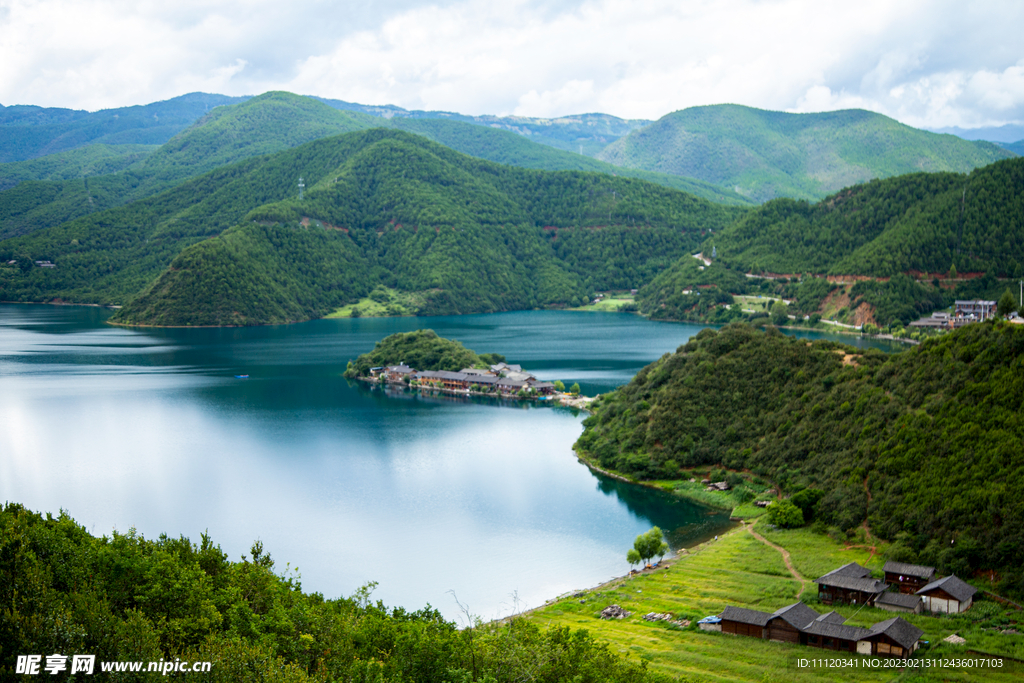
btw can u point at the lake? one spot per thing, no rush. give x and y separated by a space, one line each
432 498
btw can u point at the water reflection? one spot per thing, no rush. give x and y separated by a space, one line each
351 483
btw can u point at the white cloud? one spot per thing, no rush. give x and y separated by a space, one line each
925 62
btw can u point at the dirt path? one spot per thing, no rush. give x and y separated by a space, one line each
785 558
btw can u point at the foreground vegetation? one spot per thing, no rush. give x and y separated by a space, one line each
740 570
922 446
127 598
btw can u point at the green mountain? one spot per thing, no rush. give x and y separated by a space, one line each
922 222
906 231
382 207
580 133
923 446
27 132
1015 147
466 234
269 123
261 125
505 147
91 160
767 154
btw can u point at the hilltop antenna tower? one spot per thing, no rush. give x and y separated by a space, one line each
302 186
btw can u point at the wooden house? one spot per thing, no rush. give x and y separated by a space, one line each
444 379
397 373
786 623
894 637
850 584
894 601
910 578
799 624
744 622
511 386
543 388
828 632
949 595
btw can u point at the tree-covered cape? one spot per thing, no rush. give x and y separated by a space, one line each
924 445
420 350
126 598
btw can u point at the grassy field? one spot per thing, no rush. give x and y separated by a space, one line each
740 570
382 302
611 302
754 304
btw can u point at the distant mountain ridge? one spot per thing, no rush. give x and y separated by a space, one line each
585 134
265 124
767 154
27 131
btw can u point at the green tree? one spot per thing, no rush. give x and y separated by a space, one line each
1007 304
574 389
780 313
952 272
633 557
785 514
649 545
559 385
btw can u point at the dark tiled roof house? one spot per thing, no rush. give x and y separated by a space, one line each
949 595
798 623
909 577
851 583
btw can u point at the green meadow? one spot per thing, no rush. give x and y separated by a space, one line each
738 569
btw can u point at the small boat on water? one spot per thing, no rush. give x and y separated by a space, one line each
241 376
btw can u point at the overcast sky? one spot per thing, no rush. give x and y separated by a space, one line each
926 63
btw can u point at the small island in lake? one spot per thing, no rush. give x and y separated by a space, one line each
423 359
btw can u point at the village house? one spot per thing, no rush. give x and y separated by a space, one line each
398 373
506 379
949 595
974 309
799 624
965 311
894 601
909 578
850 584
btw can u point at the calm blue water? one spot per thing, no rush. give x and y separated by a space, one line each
150 429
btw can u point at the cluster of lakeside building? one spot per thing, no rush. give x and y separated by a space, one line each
501 379
905 588
964 312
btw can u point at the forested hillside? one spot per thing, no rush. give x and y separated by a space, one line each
125 598
92 179
420 350
467 235
269 123
386 207
917 233
918 222
767 154
514 149
923 445
91 160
